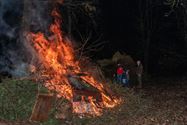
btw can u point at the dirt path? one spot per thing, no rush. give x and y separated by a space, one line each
169 98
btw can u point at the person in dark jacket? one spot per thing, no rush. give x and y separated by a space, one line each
139 73
127 77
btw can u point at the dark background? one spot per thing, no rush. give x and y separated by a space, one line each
118 21
168 48
119 24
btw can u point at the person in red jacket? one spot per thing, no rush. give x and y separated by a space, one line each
120 72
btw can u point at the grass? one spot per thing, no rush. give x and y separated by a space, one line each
163 104
16 99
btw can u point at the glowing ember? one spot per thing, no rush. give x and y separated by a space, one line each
58 60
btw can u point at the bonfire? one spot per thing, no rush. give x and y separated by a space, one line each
64 74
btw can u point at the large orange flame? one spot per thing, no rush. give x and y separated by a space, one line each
57 56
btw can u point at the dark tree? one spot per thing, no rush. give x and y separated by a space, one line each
148 21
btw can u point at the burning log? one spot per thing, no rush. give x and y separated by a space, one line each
75 82
42 107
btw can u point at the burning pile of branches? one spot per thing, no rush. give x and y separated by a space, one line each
62 72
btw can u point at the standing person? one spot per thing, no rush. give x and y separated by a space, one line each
125 78
120 72
128 77
139 73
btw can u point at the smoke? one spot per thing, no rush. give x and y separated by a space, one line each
11 8
18 17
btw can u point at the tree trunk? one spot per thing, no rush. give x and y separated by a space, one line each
185 21
146 51
148 28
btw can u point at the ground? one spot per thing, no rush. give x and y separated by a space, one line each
162 101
